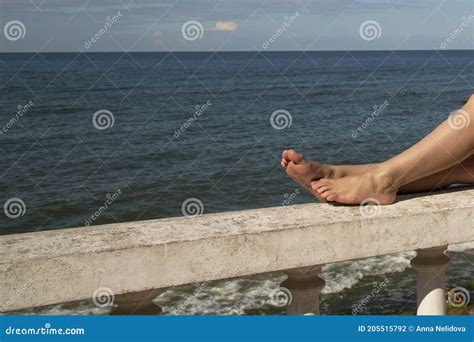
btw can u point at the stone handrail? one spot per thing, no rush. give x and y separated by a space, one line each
136 259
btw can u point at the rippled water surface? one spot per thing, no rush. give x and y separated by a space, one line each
165 147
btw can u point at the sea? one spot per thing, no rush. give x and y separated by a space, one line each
147 132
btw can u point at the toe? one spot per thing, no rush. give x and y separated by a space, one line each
320 183
322 189
316 185
331 197
294 157
325 194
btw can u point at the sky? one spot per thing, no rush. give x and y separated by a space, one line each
234 25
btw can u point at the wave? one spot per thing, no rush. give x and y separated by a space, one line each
240 295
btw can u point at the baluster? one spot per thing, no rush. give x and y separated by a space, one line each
304 285
430 265
137 303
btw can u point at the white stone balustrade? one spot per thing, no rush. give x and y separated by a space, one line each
137 259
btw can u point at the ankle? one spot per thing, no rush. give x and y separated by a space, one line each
329 171
326 170
386 177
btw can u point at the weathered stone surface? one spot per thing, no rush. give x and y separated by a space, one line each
69 264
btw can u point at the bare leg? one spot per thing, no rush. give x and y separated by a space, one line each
459 174
448 145
304 172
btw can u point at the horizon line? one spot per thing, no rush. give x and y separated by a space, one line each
233 51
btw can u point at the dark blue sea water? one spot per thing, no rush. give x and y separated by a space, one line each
165 147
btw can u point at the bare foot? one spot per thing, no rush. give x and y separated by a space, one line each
370 185
304 172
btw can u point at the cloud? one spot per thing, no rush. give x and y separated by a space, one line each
226 26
